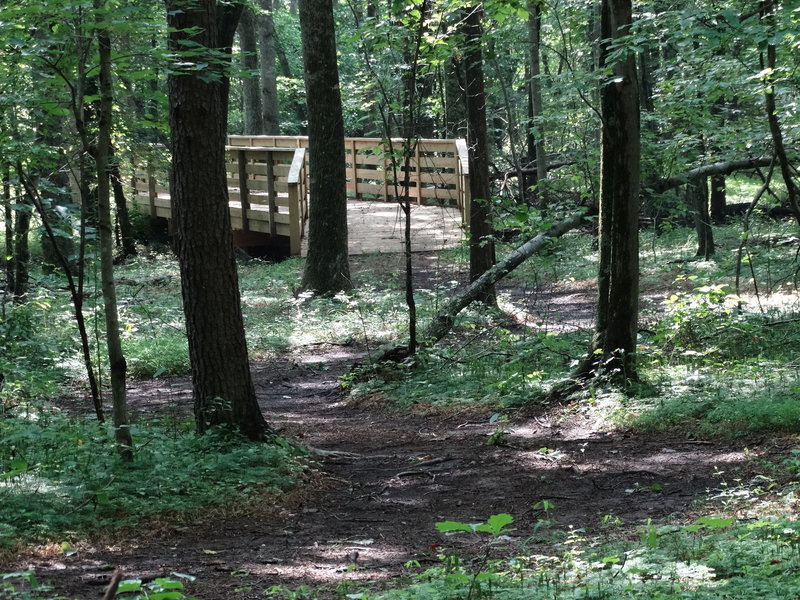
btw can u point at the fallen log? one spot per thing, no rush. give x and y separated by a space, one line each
660 186
442 322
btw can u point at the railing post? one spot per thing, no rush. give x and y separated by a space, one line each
151 191
418 167
296 185
273 207
462 181
354 172
244 192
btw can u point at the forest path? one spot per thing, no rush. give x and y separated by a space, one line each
363 517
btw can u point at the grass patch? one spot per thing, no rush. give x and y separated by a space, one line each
714 556
487 365
61 477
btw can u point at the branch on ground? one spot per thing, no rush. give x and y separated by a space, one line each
442 323
660 186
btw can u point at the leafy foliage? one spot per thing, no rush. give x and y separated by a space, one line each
61 476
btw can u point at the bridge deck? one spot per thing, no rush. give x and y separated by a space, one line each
375 226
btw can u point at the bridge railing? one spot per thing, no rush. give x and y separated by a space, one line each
438 170
268 180
266 190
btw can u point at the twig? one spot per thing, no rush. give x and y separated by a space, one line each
111 590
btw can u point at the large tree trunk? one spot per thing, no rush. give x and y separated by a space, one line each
251 88
327 269
697 199
481 243
21 256
270 108
116 358
718 199
535 93
613 346
774 125
221 381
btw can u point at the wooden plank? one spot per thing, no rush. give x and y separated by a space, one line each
438 178
367 161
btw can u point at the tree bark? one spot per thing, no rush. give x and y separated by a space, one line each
221 382
327 269
116 358
21 256
697 198
481 243
660 186
127 242
251 88
535 91
299 108
774 125
718 199
613 348
269 76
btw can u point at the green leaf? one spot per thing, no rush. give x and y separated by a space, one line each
715 522
451 526
168 584
130 585
166 596
496 524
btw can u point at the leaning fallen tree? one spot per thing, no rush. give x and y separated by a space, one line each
727 167
443 321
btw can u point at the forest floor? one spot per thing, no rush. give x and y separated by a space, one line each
363 513
363 517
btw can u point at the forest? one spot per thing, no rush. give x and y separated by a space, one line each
210 387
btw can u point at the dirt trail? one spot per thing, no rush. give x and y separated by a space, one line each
377 510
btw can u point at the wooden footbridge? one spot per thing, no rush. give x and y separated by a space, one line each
268 193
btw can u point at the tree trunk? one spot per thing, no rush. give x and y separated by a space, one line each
269 77
454 108
9 229
697 199
481 243
327 269
718 199
535 92
127 242
775 127
251 88
116 358
299 107
17 251
221 382
75 290
613 346
21 256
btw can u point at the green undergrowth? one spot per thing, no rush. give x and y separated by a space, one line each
488 365
61 478
744 546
